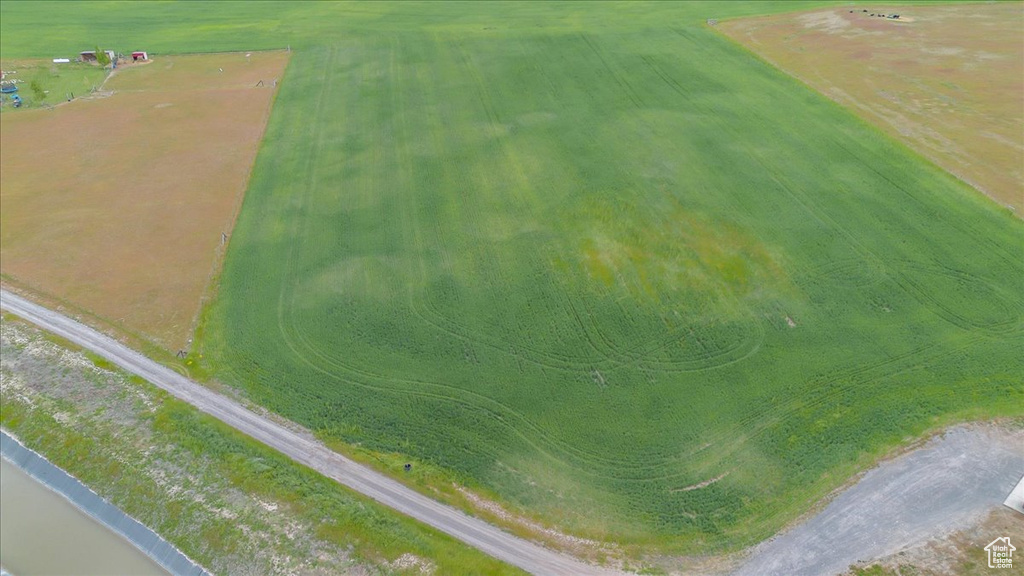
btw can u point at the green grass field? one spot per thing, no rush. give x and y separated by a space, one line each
57 82
594 259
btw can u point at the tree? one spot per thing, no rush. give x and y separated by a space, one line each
37 90
101 57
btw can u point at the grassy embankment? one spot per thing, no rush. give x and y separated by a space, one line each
228 502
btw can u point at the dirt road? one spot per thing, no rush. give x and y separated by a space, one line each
950 482
307 451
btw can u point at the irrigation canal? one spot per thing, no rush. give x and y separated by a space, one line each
53 524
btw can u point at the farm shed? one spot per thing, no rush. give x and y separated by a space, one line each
139 56
90 55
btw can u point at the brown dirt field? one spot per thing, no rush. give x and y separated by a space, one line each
947 80
116 205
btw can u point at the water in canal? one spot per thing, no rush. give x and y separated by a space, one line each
42 533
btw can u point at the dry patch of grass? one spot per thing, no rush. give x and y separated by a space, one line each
116 205
944 79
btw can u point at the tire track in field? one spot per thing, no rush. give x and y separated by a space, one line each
572 456
300 220
547 358
525 192
610 355
823 218
310 179
896 275
955 223
839 382
499 347
302 347
867 255
423 308
557 450
622 82
920 291
606 346
821 391
890 270
833 271
643 353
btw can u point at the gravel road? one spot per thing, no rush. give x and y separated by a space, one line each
526 555
951 481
